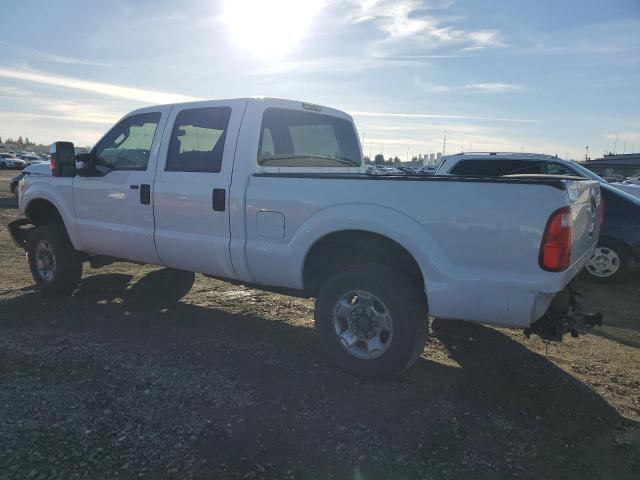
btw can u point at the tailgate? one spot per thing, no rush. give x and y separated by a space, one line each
585 203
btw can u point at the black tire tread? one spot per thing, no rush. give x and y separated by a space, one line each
68 261
407 297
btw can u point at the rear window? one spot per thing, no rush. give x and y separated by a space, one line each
293 138
497 168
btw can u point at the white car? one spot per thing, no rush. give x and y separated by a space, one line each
273 193
31 159
7 160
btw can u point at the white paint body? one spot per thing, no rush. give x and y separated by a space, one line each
476 242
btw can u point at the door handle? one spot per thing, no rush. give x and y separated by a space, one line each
218 199
145 194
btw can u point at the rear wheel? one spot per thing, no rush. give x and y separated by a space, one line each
609 261
55 265
372 320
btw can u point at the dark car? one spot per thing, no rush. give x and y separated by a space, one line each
619 245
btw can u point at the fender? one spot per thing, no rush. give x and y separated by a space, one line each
283 263
60 193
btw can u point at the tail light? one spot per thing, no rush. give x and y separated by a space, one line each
555 251
52 164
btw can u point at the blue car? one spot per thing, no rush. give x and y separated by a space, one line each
619 245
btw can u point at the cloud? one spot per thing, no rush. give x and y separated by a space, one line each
492 87
49 57
497 87
81 118
433 115
64 60
408 20
141 95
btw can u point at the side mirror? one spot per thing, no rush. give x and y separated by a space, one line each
63 159
84 165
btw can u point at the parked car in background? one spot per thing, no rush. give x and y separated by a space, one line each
43 168
614 177
630 188
31 159
618 249
7 160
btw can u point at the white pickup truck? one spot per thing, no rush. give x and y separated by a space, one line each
272 193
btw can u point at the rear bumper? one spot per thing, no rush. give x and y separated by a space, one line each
564 315
19 233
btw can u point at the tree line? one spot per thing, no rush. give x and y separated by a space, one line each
19 142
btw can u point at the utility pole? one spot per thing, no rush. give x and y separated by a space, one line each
615 144
444 143
586 156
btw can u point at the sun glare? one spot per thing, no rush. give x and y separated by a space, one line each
269 28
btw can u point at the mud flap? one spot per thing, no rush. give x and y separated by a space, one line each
19 234
565 315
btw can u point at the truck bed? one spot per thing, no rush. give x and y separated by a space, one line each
476 239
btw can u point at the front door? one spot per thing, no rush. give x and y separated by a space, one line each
114 211
191 199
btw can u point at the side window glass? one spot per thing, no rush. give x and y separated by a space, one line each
557 169
496 168
197 140
128 144
266 145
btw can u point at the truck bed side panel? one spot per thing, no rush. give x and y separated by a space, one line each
477 243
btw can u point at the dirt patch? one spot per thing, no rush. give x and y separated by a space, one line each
149 373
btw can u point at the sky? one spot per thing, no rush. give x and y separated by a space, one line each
507 75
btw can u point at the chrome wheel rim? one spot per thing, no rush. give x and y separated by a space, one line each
604 262
45 261
363 324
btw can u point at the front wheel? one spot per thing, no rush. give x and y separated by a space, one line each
609 262
55 265
372 320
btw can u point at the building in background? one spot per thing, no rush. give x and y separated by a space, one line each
627 165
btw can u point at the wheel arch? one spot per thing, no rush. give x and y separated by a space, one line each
43 209
627 248
342 248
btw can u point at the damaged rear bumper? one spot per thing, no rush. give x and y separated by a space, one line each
564 315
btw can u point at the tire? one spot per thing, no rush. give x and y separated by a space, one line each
609 262
55 265
392 293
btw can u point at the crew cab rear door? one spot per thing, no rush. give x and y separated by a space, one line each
191 191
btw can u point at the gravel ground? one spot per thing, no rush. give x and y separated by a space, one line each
150 373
